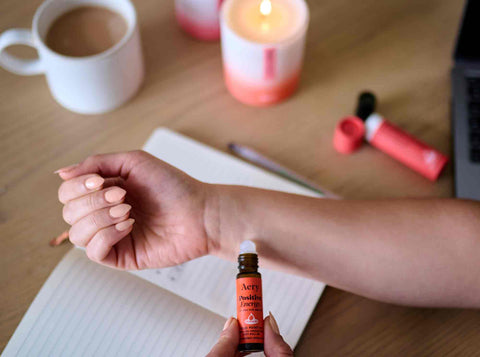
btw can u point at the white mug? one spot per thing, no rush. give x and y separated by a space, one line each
88 85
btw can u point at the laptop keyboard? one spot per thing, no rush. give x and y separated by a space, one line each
474 118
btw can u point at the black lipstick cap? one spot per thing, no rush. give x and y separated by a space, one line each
366 105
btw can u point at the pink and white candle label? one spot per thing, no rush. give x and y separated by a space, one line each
269 63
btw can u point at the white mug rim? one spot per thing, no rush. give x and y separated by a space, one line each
99 56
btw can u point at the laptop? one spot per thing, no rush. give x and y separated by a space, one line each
466 104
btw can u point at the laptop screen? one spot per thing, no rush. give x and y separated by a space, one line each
468 43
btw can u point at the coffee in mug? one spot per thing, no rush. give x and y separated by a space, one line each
86 31
89 51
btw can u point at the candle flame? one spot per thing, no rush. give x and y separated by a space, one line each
265 7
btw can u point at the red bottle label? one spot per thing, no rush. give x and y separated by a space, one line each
250 309
408 150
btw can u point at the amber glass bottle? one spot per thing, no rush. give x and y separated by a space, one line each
249 299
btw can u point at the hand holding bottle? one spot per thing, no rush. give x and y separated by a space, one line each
274 345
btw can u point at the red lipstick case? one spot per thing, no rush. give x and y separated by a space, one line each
390 139
402 146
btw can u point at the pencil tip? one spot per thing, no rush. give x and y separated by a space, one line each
231 146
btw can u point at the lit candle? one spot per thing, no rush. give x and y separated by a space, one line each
199 18
262 48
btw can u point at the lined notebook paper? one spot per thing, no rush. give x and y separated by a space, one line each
85 309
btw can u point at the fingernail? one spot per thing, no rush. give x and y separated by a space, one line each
227 323
115 195
66 168
94 182
120 210
123 226
273 323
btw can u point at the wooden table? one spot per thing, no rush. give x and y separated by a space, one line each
400 49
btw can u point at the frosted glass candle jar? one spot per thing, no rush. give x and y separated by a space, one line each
262 48
199 18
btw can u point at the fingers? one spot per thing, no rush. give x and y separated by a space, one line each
274 345
79 186
107 165
100 246
78 208
228 342
93 196
83 231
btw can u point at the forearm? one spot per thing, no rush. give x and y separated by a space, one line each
412 251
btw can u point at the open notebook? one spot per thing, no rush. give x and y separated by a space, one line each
85 309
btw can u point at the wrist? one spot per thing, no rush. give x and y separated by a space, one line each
226 220
211 219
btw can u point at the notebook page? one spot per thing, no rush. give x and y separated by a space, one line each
85 309
210 281
209 165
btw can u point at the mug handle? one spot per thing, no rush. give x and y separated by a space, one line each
12 63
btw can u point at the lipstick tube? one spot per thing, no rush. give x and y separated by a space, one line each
404 147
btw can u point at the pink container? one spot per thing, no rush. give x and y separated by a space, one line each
199 18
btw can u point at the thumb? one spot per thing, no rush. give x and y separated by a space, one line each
228 342
274 345
106 165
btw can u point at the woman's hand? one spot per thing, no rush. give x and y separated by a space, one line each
133 211
274 345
